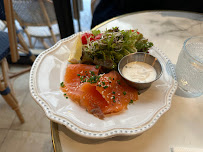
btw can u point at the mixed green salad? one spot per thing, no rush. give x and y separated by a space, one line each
108 48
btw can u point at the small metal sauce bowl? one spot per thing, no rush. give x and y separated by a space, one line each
141 57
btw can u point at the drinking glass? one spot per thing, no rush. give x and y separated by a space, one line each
189 67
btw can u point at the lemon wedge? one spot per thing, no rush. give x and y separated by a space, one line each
75 50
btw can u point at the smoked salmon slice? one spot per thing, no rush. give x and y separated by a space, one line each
116 92
92 100
74 76
98 94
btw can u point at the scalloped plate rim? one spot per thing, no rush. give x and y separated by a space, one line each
88 133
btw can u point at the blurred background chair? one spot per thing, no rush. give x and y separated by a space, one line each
94 4
9 46
37 19
2 25
6 89
7 22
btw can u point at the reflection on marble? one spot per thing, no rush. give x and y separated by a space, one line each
166 29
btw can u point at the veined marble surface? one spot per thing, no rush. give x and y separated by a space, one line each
182 125
166 29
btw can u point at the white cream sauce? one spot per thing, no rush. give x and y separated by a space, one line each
139 72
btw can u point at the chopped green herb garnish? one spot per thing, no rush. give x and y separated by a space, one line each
66 97
114 101
113 97
78 74
118 81
97 66
124 92
62 84
92 72
64 94
109 78
105 87
103 83
84 80
113 92
93 79
131 101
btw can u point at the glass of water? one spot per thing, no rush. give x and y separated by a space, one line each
189 67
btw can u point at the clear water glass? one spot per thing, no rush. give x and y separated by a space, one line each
189 67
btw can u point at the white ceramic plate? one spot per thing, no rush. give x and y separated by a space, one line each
48 71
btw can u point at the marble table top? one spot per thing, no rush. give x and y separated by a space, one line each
182 125
166 29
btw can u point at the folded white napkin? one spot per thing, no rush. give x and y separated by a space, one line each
184 149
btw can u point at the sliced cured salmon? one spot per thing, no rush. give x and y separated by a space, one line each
98 94
92 100
116 92
75 76
74 72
